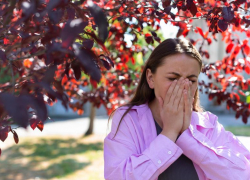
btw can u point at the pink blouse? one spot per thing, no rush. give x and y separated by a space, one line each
137 153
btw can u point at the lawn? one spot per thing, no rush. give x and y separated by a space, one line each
239 130
54 158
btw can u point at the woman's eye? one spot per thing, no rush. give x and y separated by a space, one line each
171 79
192 81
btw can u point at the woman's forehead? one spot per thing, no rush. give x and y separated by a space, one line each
181 64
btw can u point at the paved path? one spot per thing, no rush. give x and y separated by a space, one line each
78 126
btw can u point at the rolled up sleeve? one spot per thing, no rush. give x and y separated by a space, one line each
218 153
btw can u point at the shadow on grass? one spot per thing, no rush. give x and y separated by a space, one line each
23 161
52 148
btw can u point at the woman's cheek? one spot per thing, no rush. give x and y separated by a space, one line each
167 86
164 90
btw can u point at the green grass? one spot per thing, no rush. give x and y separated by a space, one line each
239 130
53 158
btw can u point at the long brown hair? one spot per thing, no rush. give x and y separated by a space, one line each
168 47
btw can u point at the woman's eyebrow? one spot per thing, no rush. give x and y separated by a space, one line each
180 75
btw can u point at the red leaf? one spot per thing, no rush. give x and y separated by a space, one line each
247 69
198 14
229 47
76 26
193 9
227 13
206 54
100 20
40 126
4 133
200 31
248 33
105 64
133 60
168 9
149 38
237 97
244 119
245 41
3 56
15 136
6 41
205 35
210 97
166 3
246 49
237 115
33 123
209 41
64 80
236 50
77 70
185 32
172 15
93 83
87 59
222 25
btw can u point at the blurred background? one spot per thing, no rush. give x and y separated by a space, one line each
63 151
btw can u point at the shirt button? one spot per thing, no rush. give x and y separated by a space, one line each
159 161
169 152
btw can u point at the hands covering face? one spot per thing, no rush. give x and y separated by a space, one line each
176 107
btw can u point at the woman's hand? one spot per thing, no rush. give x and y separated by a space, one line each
188 107
171 109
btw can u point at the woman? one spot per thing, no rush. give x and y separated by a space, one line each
163 132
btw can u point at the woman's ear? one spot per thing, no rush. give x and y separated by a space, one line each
150 79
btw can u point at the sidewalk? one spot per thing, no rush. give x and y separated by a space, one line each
76 127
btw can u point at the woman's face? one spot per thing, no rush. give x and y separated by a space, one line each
174 67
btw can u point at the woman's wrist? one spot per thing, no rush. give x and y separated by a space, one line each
171 135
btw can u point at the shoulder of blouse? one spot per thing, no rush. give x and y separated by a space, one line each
141 109
204 119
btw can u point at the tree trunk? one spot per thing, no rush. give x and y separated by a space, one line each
91 120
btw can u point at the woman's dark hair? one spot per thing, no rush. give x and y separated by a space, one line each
168 47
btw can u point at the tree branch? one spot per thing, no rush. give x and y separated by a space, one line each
30 56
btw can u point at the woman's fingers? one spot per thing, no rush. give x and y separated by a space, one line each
182 101
170 91
177 93
190 96
188 101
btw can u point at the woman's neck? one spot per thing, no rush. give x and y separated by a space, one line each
155 109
